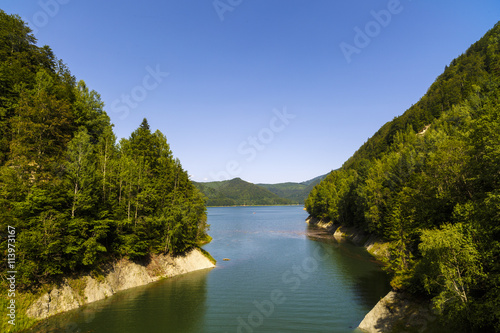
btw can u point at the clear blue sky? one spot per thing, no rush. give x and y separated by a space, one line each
266 90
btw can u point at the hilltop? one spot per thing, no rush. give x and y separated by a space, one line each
237 192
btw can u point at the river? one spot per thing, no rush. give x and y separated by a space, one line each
281 276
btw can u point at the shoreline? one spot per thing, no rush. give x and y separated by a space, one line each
121 275
397 311
377 247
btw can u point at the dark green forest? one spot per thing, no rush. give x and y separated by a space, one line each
76 196
429 183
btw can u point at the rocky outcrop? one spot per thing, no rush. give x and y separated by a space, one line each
398 312
57 300
122 275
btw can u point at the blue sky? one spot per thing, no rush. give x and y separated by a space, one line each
266 90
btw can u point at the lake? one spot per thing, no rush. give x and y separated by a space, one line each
282 276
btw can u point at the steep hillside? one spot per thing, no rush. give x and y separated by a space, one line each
429 183
474 68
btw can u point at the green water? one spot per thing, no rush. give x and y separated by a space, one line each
282 277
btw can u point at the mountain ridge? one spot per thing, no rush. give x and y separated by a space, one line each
238 192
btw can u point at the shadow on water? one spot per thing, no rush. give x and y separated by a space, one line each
177 304
361 272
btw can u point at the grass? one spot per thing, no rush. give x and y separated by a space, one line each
380 250
22 321
78 285
208 255
204 240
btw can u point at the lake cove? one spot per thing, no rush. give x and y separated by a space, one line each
281 276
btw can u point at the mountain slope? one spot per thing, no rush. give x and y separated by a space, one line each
473 68
296 192
237 192
434 194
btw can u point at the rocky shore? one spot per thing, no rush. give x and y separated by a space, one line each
375 246
121 275
397 311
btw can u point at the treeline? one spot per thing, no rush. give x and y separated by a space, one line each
76 196
429 182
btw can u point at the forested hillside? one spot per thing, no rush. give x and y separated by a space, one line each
237 192
296 192
76 197
429 182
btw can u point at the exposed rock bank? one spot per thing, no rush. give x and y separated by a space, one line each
122 275
373 244
398 312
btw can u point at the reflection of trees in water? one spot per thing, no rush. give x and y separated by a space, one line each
177 304
352 265
371 287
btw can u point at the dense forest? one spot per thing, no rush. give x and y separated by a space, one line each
296 192
237 192
76 197
429 183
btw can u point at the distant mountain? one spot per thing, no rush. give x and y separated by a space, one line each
296 192
237 192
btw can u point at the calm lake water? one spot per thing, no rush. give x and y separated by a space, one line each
283 276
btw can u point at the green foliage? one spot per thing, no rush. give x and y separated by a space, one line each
429 182
23 322
236 192
77 198
450 266
296 192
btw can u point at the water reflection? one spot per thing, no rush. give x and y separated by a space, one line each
325 285
178 304
352 266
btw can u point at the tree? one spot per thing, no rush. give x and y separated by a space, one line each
41 129
450 266
80 168
89 112
106 152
